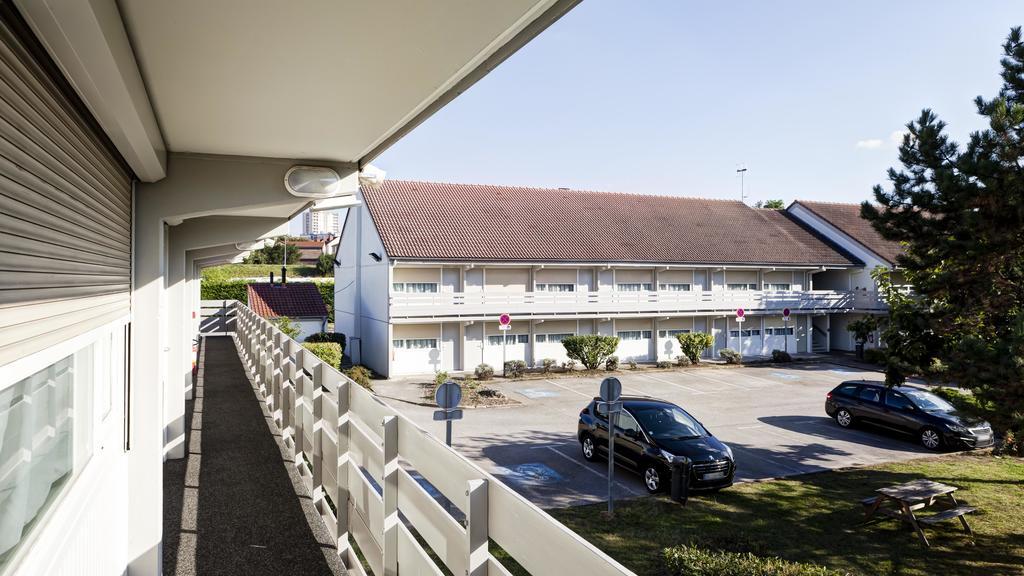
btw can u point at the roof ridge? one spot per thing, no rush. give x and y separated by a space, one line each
565 189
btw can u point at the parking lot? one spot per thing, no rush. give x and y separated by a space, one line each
772 417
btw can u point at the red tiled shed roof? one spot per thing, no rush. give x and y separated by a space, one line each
294 300
435 221
846 217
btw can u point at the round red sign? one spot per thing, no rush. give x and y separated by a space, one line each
504 319
785 312
740 312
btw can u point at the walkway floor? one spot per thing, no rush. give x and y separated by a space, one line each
233 506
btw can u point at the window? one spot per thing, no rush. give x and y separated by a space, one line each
778 331
415 287
674 287
741 286
634 335
601 409
398 343
509 339
869 394
47 423
848 390
897 401
626 422
669 423
415 343
556 288
635 287
746 333
553 338
671 333
780 287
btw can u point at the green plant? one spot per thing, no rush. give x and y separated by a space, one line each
470 383
325 265
690 560
693 344
515 369
730 356
274 253
285 325
548 364
611 363
440 377
484 372
682 360
329 352
781 356
360 375
336 337
664 364
875 356
632 364
591 350
569 365
863 328
224 290
326 289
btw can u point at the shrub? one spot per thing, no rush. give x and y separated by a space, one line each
781 356
484 372
548 364
360 375
693 561
569 365
730 356
515 369
224 290
284 324
632 364
875 356
440 377
591 350
682 360
336 337
325 265
611 363
664 364
470 383
693 344
329 352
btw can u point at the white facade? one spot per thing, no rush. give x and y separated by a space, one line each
321 222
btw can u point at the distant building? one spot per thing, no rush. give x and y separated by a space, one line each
299 301
309 251
326 222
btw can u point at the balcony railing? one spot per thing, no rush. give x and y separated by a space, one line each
366 464
479 305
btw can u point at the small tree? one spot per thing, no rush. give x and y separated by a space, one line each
591 350
325 265
274 254
863 328
693 344
285 324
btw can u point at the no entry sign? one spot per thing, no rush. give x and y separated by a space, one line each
504 319
740 312
785 313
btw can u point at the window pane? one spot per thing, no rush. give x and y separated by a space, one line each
896 400
421 287
398 287
674 287
495 340
398 343
629 335
523 338
869 394
629 287
626 422
561 287
541 338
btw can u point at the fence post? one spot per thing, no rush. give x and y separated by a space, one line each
318 433
300 393
341 497
390 496
288 394
476 528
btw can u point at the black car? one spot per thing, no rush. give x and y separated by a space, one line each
649 435
933 421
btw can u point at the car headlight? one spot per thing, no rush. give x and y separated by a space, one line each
728 451
957 428
668 456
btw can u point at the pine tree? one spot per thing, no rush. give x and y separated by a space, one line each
959 213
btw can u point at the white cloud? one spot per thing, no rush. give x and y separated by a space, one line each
869 144
897 137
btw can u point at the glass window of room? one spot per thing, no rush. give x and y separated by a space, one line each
557 337
671 333
737 286
674 287
780 287
421 343
556 287
415 287
635 287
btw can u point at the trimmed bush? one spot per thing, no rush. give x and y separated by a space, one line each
336 337
730 356
360 375
591 350
329 352
682 360
515 369
664 364
693 561
875 356
548 363
693 344
781 356
612 363
440 377
484 372
224 290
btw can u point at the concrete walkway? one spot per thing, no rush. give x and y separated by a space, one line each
233 506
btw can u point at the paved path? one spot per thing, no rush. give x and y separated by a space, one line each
233 506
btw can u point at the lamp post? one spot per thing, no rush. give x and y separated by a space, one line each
742 172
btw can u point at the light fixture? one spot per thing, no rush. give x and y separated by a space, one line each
312 182
376 257
371 176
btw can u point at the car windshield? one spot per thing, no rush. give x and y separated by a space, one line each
927 401
665 422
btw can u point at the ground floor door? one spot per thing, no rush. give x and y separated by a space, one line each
514 349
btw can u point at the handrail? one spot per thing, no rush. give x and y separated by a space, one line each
352 448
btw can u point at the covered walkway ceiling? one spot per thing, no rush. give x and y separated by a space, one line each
332 80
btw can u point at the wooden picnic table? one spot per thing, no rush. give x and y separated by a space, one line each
902 500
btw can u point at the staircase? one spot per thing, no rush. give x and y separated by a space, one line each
819 340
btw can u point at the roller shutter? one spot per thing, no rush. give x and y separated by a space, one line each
65 207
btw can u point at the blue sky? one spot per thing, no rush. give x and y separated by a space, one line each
670 96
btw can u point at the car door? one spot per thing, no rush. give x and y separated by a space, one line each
867 406
629 440
601 426
899 412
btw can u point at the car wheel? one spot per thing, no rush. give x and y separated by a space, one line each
588 448
930 438
652 479
844 418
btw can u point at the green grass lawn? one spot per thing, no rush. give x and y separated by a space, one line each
818 518
232 271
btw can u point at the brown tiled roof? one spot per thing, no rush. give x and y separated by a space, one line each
846 217
294 300
434 221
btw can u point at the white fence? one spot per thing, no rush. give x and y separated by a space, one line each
363 463
479 305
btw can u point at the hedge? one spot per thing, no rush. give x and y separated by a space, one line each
236 290
329 352
694 561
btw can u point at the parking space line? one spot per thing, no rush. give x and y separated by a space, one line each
717 381
694 390
625 388
591 470
574 391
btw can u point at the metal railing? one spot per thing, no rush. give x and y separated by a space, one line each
473 305
366 464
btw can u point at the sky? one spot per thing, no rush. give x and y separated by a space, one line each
672 96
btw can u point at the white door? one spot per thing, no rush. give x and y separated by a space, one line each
779 338
515 349
668 345
748 340
634 345
416 355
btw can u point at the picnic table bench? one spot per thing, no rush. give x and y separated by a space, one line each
902 500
